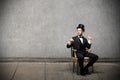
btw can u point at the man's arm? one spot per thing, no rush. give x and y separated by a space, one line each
88 45
69 43
88 41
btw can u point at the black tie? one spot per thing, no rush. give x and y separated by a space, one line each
80 37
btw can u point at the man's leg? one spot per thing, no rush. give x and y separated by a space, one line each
93 59
81 60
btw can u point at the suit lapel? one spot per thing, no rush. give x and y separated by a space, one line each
79 40
83 40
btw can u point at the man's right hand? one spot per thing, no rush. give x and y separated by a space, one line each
71 40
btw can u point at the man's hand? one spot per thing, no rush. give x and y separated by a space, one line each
70 41
89 37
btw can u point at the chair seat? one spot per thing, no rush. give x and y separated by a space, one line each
86 59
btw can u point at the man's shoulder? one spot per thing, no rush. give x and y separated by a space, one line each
75 37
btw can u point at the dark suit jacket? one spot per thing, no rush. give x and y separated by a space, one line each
78 45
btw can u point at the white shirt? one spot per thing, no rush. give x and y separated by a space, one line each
81 39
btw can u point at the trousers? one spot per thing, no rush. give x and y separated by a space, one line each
80 55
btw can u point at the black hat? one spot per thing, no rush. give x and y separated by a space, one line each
81 26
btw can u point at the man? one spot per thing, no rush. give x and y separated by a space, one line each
80 43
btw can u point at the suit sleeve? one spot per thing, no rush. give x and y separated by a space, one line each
88 45
68 45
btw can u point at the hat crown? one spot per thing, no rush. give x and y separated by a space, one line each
81 26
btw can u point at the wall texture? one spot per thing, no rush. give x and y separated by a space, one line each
41 28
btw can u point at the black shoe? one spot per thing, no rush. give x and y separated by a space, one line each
86 71
82 73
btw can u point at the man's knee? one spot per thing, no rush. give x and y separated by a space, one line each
95 57
80 57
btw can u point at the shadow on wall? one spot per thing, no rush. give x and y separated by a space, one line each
112 10
2 6
115 6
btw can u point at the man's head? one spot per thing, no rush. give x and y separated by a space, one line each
80 29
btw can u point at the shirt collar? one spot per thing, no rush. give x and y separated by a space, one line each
80 36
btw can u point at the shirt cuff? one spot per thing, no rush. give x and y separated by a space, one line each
69 42
89 41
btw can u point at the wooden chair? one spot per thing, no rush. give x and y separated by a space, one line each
75 60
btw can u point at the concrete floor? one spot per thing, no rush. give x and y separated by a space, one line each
55 71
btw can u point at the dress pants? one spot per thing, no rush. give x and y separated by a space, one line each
81 55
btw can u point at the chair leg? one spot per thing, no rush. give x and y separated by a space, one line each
73 66
92 68
77 67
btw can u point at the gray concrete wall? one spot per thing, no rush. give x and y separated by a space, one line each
41 28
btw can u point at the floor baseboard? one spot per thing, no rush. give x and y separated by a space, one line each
23 59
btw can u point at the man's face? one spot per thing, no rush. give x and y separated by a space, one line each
79 31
